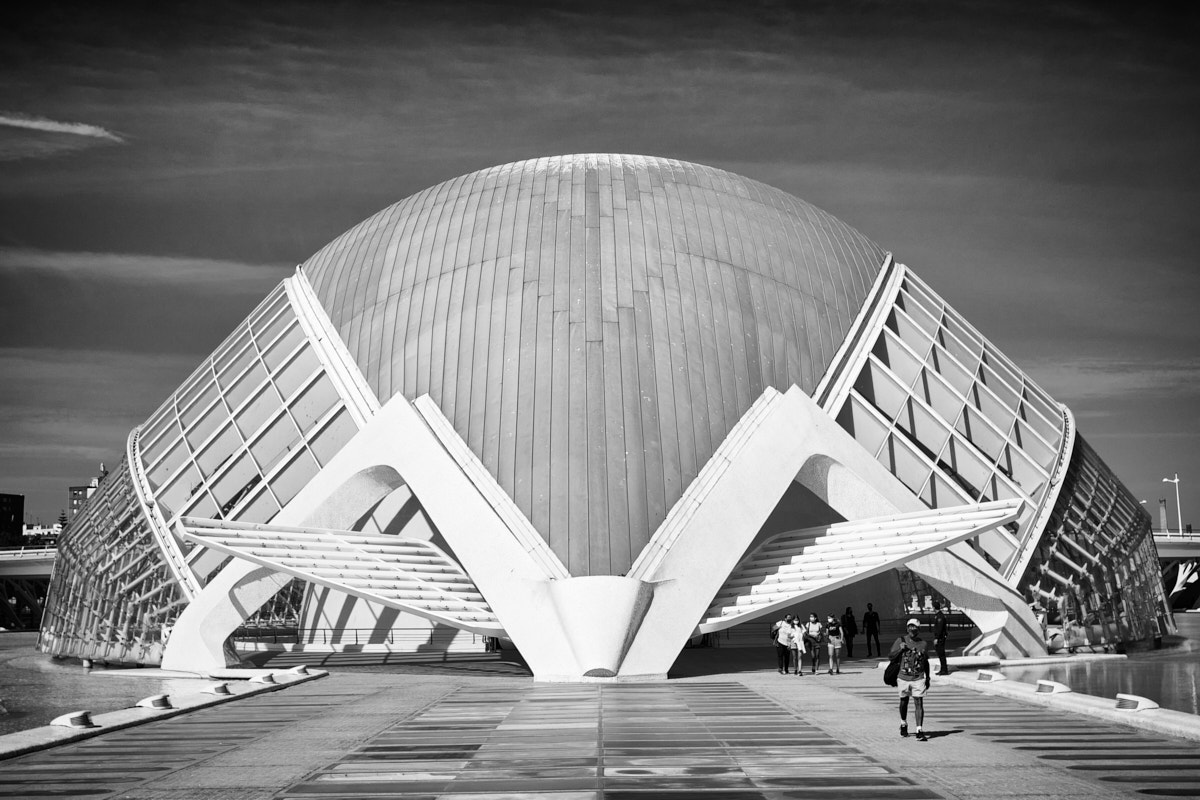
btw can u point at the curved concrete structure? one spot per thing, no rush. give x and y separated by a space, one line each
596 376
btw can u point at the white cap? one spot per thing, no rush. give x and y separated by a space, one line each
914 621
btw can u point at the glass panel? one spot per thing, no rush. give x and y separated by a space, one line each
288 483
253 378
237 342
334 436
297 372
201 506
265 403
169 439
266 335
314 402
218 451
276 440
283 348
167 467
186 483
162 421
199 382
239 363
260 509
237 481
200 405
277 301
208 423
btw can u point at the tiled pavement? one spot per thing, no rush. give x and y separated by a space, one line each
614 741
730 730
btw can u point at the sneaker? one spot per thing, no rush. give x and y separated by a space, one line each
944 672
904 729
921 737
830 672
837 672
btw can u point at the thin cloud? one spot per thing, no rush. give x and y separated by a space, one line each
52 126
23 137
203 273
1099 378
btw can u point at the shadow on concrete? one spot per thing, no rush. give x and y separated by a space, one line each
698 662
507 663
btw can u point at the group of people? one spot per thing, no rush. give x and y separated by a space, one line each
793 639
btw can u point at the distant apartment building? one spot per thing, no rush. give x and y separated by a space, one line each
78 495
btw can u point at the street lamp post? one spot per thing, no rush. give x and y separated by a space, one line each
1178 513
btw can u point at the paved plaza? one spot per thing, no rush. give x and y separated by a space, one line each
729 727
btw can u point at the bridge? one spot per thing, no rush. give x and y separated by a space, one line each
24 579
1179 555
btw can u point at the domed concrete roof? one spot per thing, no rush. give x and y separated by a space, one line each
594 325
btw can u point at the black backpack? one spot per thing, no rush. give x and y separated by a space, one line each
892 673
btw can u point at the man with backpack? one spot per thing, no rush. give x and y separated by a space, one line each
913 677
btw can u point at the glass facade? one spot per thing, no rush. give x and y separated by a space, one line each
958 423
1097 566
111 596
238 440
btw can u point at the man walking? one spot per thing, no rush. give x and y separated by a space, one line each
939 637
849 631
871 629
781 633
913 680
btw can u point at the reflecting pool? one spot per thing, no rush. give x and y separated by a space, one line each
1169 677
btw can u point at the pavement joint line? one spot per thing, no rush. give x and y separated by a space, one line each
46 737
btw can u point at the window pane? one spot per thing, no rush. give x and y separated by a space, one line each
260 509
249 382
201 404
200 380
266 335
237 481
278 439
201 506
239 363
169 439
333 437
297 372
237 342
208 423
186 482
251 418
167 467
288 483
218 451
314 402
284 347
277 301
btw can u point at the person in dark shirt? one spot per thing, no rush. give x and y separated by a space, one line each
871 628
913 680
849 631
939 637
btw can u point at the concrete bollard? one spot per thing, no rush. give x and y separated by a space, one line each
156 702
1052 687
299 670
990 676
1133 702
217 688
265 678
75 719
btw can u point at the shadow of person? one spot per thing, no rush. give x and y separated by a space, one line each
939 734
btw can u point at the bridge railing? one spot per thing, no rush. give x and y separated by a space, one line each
9 553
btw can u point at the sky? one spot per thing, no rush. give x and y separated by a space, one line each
162 166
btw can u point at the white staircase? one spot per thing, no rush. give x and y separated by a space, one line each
795 565
407 574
